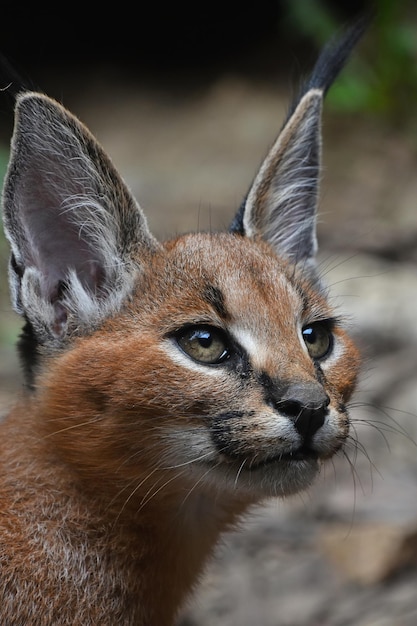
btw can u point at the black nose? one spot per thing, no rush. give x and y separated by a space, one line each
306 405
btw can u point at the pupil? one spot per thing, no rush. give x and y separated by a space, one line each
309 335
204 339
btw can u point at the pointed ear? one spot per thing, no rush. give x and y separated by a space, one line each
72 224
282 202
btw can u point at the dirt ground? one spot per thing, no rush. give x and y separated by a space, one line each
345 553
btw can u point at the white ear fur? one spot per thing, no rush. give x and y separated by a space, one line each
72 224
282 202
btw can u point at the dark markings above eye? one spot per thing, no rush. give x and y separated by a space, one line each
204 343
215 298
318 338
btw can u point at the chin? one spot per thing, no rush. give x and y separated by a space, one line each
277 478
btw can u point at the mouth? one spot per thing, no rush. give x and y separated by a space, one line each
288 458
278 475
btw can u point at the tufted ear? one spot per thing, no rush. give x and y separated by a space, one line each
281 205
71 222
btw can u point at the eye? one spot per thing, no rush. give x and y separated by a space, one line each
205 344
318 339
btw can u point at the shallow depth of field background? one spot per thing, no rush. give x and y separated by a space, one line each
186 104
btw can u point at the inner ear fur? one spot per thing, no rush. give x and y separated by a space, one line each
72 223
281 205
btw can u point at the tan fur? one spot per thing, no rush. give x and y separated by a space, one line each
129 453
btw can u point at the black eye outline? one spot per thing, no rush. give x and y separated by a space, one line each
322 340
204 344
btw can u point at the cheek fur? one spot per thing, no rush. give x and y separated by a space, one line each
342 371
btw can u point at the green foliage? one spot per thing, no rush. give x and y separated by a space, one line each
382 78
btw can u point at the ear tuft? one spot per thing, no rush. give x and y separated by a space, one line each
281 205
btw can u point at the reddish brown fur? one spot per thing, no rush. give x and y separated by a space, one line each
85 447
170 387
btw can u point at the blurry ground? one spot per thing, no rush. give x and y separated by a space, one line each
346 552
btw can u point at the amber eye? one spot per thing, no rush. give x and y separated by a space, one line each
318 339
204 344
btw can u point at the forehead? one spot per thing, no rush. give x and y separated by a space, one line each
217 251
218 255
237 276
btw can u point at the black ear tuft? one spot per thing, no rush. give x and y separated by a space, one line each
333 57
329 63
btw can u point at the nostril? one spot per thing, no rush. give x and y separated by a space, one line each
291 408
308 420
306 406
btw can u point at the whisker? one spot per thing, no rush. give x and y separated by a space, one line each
393 427
197 482
239 472
189 461
71 427
357 446
150 495
135 490
356 480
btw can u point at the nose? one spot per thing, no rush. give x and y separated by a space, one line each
305 404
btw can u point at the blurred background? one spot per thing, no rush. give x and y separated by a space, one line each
186 101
